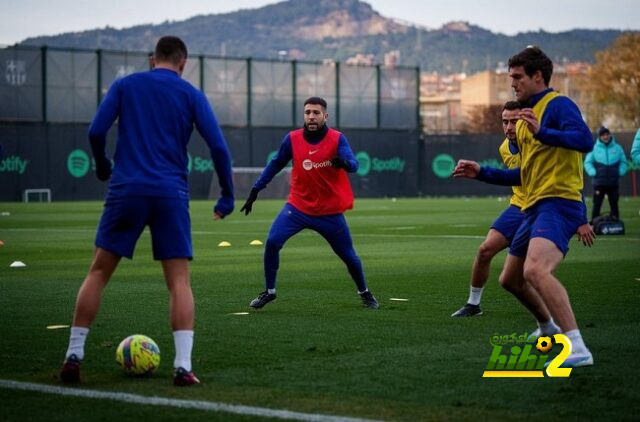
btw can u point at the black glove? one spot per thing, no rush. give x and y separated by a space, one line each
103 169
248 205
340 163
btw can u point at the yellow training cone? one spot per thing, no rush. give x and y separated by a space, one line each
255 243
224 244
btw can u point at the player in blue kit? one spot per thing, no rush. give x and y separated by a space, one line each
156 112
505 226
320 194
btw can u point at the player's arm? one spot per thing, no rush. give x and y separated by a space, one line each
275 165
472 170
345 158
207 124
565 129
106 114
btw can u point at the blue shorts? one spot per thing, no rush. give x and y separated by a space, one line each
508 222
124 219
555 219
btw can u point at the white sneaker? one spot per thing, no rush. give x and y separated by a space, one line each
575 360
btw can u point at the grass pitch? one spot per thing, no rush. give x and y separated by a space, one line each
315 349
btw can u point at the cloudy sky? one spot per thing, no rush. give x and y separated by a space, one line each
20 19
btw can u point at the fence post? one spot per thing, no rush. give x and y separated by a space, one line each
378 96
294 91
337 119
43 52
99 64
201 66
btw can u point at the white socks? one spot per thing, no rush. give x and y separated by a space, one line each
576 340
76 342
475 294
271 291
183 340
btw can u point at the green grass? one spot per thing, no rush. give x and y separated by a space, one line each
316 349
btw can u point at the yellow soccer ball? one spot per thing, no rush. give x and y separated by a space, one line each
138 355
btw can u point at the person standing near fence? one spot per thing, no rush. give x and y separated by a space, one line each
605 164
156 112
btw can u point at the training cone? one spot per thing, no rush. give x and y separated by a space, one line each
17 264
224 244
255 243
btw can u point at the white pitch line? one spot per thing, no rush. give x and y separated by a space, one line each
183 404
416 236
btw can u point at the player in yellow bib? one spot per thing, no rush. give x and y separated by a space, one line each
551 136
504 228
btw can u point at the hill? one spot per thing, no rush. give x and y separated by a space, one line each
338 29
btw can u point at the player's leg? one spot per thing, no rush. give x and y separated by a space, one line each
182 310
553 228
499 237
613 193
120 227
289 222
336 232
492 244
598 197
512 280
170 227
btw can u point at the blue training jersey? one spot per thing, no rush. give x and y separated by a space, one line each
156 112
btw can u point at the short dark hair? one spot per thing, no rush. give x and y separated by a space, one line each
533 59
170 48
317 101
512 105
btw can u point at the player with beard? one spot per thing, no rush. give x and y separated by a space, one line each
319 195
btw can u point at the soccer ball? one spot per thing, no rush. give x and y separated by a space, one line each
138 355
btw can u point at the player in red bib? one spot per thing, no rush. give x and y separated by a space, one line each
320 193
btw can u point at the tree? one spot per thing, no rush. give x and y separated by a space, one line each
614 83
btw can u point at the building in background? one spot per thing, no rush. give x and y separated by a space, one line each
459 103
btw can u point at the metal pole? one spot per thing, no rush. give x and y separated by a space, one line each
418 120
201 63
249 92
99 64
43 52
378 96
294 91
337 119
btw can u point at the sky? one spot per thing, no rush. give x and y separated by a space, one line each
20 19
